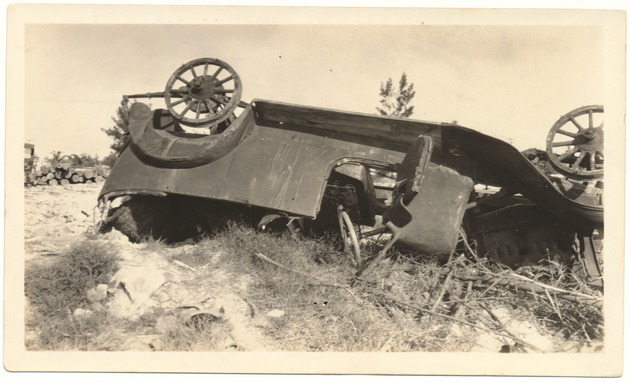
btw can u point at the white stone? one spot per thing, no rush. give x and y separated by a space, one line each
275 313
82 313
97 294
135 285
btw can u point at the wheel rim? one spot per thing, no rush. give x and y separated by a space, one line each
575 143
347 232
202 92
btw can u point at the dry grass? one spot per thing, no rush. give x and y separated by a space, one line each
410 302
54 290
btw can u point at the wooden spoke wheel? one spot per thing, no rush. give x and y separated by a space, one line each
203 92
575 144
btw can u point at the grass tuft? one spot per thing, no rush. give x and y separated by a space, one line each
55 289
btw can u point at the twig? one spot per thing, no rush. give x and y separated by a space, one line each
546 287
462 233
252 306
554 305
440 295
552 288
536 287
184 265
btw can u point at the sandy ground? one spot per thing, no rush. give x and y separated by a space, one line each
56 217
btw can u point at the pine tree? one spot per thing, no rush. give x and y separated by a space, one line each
395 102
119 132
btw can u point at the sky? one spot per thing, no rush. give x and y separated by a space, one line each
512 82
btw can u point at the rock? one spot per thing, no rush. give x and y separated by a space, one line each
97 294
138 282
134 286
275 313
97 307
82 313
119 305
260 321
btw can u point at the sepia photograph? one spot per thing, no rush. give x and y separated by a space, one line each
314 190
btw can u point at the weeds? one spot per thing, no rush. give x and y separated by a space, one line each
56 289
410 302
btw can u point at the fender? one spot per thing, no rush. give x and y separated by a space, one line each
157 138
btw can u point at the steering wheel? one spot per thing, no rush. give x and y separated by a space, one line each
203 92
575 143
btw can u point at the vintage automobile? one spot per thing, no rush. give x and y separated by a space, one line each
209 156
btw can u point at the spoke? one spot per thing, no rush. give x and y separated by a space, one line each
226 79
568 154
183 80
180 101
192 69
185 110
219 101
579 160
560 144
223 91
576 123
205 101
198 109
591 160
214 76
568 134
205 69
590 118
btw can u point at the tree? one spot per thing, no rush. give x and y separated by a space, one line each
85 160
55 158
110 159
395 102
119 132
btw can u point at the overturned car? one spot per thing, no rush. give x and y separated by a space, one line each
209 157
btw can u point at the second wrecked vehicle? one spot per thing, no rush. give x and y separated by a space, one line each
210 155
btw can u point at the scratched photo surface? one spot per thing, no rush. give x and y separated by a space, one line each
284 192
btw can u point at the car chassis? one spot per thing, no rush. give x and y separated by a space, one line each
293 165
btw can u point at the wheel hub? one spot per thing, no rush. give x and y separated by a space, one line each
590 140
208 98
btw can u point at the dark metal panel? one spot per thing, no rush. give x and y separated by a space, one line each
271 168
376 131
516 172
397 134
430 221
